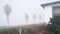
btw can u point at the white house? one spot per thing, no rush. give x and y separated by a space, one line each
51 9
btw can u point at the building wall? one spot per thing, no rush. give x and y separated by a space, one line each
48 13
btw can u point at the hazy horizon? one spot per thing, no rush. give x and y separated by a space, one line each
19 8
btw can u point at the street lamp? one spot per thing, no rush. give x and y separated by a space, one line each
7 11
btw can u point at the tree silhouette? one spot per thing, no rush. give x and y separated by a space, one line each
54 27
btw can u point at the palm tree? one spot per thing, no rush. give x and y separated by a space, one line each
26 17
7 11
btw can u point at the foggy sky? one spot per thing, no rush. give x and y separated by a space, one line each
19 8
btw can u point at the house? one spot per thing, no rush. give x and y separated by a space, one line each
51 9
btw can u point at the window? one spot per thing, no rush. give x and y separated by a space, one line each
56 10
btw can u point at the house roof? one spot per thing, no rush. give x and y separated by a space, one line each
43 5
